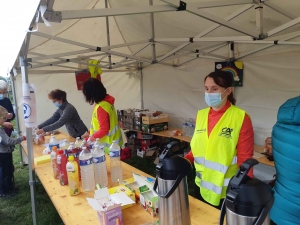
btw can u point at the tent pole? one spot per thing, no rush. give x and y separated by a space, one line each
259 20
152 29
108 35
141 84
12 80
32 181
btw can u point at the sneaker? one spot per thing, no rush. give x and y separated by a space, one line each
7 195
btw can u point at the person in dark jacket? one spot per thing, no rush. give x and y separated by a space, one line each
7 145
6 103
66 114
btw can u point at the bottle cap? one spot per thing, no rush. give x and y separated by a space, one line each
61 152
71 158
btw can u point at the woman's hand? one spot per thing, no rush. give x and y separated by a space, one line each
8 125
40 131
85 135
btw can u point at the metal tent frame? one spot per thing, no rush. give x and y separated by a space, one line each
258 36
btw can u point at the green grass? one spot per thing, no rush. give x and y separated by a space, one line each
17 210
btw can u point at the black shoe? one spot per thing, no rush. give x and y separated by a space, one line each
7 195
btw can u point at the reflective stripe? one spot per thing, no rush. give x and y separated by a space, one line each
211 186
225 183
113 131
213 165
199 175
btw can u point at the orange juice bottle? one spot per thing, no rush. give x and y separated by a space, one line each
53 156
73 179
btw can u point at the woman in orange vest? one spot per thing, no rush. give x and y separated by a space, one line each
222 141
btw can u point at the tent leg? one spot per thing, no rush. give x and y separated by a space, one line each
152 34
108 35
17 117
141 84
32 181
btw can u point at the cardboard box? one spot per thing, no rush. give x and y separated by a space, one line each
109 214
158 119
149 201
151 128
125 190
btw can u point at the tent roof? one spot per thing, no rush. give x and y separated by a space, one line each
173 31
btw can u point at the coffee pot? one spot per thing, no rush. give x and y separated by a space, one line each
248 200
171 187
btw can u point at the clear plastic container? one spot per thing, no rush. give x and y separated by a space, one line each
72 171
115 162
100 170
77 142
86 170
53 142
184 128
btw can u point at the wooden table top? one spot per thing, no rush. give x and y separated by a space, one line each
76 210
260 157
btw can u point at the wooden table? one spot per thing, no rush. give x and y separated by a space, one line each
76 210
260 157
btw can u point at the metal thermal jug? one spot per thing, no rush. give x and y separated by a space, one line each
248 200
171 187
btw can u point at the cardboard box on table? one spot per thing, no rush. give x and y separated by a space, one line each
151 128
109 215
143 188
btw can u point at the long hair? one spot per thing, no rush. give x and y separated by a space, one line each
223 79
93 91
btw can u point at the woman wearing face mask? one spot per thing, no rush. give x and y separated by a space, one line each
66 114
6 103
222 141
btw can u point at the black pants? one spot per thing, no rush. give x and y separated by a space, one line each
6 172
198 196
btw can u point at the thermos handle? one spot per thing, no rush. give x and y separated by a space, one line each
174 186
222 213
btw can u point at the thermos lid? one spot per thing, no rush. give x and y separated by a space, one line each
247 196
172 167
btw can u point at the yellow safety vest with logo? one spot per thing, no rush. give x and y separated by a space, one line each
215 157
114 129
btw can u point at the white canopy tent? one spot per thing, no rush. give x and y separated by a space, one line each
155 54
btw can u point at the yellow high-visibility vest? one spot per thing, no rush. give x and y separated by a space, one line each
215 157
114 129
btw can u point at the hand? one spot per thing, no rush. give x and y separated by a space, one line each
91 139
40 131
86 134
8 125
9 116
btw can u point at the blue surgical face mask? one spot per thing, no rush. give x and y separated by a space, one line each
214 99
57 104
1 96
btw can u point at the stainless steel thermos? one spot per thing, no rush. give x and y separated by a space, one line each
248 200
171 187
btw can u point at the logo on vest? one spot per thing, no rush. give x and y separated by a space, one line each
226 132
201 131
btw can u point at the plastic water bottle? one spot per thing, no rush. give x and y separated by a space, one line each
72 170
86 170
53 142
184 128
53 156
77 142
99 161
115 162
84 144
62 163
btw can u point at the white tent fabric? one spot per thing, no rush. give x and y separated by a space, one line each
270 76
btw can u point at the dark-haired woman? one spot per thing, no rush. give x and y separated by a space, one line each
104 124
222 141
66 114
